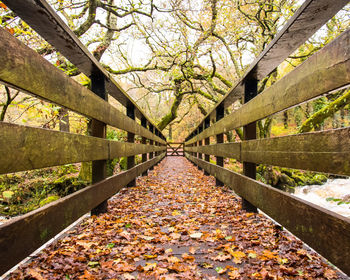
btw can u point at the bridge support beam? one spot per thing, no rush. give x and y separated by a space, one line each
144 141
207 142
249 132
151 142
199 143
130 112
98 129
220 113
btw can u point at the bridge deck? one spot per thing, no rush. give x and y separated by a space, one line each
176 224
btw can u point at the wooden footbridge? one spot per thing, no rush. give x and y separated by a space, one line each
25 148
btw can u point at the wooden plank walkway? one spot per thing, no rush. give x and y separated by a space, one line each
176 224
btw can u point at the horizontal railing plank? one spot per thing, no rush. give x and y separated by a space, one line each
43 19
28 71
301 26
228 150
326 70
25 148
323 151
22 235
321 229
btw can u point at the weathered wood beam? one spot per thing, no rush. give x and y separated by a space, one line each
320 228
226 150
27 71
144 141
44 20
25 148
325 71
323 151
130 161
249 133
98 129
23 235
301 26
220 114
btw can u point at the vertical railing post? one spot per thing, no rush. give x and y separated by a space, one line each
130 112
143 141
207 141
151 142
249 132
200 142
98 129
156 143
220 112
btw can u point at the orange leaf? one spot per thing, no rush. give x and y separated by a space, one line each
2 5
234 274
187 257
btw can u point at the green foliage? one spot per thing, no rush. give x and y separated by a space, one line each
48 200
338 200
32 189
287 178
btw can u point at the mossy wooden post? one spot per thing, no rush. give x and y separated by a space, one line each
220 113
249 132
130 112
200 142
151 142
144 141
98 129
206 141
157 143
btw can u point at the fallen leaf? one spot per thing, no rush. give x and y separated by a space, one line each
35 273
150 256
196 235
192 250
128 276
93 264
187 257
234 274
149 266
220 269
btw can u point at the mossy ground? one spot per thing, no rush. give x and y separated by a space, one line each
23 192
282 178
32 189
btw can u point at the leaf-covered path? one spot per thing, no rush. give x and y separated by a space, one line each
176 225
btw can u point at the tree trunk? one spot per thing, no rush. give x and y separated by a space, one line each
317 119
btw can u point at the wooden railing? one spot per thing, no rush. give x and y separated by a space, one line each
26 148
175 149
324 151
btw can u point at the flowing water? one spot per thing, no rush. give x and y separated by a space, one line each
334 188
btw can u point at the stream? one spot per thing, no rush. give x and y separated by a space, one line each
333 188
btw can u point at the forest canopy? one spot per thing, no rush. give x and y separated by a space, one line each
177 59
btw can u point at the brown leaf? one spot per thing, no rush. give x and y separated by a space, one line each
234 274
187 257
35 273
221 257
192 250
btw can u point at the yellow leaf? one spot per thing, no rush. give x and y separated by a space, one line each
149 256
175 213
149 266
168 251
